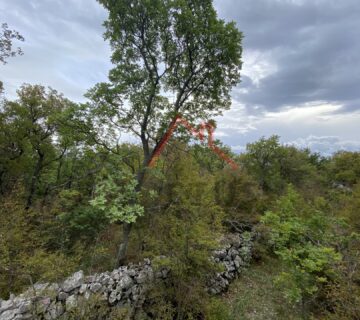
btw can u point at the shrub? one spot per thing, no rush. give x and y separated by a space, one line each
301 236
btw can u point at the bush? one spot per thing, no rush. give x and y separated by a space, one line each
301 236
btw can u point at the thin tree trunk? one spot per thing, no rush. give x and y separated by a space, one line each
122 251
58 173
71 178
2 174
121 256
34 180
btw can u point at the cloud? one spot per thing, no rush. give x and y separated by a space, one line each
292 123
63 47
298 52
300 75
326 145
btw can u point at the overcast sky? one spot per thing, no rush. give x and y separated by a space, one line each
300 75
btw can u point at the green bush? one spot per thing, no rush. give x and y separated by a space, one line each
301 236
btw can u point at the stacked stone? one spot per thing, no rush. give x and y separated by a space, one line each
234 258
124 286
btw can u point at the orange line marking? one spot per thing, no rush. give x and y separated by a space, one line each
198 133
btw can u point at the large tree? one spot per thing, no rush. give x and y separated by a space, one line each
31 136
170 57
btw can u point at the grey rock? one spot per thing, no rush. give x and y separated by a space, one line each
51 312
62 296
24 316
73 282
220 254
143 276
39 287
43 304
213 291
55 310
229 265
59 309
125 282
71 302
229 275
8 315
24 306
225 283
95 287
35 290
233 252
83 288
115 275
132 273
104 279
87 295
113 297
90 279
7 305
238 262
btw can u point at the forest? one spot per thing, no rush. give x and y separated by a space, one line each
75 196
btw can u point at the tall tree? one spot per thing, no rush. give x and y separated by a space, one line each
31 131
171 57
262 161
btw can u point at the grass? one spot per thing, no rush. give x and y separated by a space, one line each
253 295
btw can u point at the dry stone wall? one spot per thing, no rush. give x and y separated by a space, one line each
125 286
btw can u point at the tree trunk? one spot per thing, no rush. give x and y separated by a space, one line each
122 251
2 174
71 178
58 173
121 256
34 180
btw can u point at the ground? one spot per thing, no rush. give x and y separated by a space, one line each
253 296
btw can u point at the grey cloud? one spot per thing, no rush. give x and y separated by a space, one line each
63 47
326 145
313 44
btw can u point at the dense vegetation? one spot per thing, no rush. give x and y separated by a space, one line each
73 197
64 199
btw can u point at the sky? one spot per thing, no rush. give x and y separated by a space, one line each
300 76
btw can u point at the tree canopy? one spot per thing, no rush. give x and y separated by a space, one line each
170 57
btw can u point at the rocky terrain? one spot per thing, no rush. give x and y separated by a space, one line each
125 286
